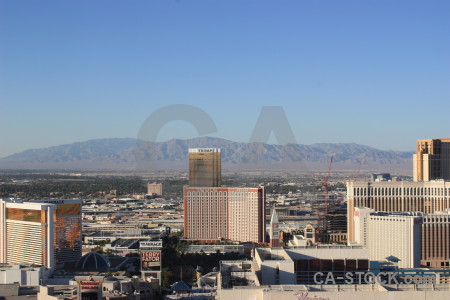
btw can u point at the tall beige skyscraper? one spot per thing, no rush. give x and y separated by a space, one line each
205 167
432 160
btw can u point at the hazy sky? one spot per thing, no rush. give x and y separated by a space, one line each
369 72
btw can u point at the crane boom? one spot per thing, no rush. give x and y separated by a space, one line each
325 185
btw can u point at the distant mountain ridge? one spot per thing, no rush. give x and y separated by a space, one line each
132 154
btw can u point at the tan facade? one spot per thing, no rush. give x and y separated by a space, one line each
332 237
432 160
436 241
205 167
205 213
224 213
212 212
154 188
426 197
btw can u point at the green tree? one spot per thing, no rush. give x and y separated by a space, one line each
166 276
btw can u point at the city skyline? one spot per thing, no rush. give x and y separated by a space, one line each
342 72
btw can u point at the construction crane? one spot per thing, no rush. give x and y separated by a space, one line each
355 176
322 210
325 185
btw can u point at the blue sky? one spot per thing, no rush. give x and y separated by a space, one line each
369 72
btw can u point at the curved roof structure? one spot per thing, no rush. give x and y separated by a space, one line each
93 261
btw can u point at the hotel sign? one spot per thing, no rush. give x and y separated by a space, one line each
89 285
52 201
204 150
150 259
151 244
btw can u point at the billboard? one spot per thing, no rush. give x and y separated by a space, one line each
150 244
150 259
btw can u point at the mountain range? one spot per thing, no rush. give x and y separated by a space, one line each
127 154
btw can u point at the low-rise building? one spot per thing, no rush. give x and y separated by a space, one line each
99 288
24 275
111 236
248 279
213 249
9 289
296 265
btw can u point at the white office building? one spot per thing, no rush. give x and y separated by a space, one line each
361 216
392 236
24 275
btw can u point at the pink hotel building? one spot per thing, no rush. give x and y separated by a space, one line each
213 213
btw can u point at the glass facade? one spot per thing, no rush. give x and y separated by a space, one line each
67 232
68 210
205 169
28 215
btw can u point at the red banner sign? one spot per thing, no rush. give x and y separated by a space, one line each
150 259
89 285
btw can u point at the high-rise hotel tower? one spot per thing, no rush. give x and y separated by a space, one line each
44 233
212 212
429 194
432 160
205 167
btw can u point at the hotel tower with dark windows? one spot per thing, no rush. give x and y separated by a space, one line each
432 160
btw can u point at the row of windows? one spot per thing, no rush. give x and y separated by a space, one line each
313 265
388 219
225 194
401 191
436 219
